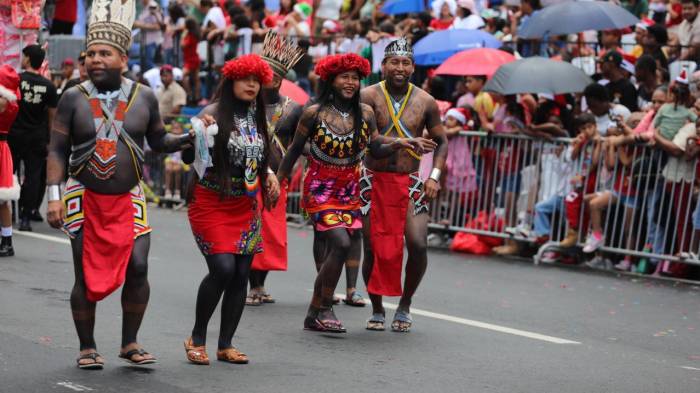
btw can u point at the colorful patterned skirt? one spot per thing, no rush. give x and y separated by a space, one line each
228 226
332 196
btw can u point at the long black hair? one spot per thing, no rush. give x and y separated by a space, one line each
326 96
227 104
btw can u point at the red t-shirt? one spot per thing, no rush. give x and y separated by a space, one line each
438 24
66 10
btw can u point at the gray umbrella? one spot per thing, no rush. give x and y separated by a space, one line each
538 75
576 16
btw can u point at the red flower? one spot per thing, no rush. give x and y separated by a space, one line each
247 65
331 66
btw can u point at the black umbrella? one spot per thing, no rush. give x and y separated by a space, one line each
538 75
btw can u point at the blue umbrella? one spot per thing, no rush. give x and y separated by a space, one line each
395 7
574 17
436 47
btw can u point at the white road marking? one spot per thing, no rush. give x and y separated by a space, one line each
482 325
690 368
41 236
74 386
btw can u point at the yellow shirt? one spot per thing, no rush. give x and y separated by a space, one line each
483 103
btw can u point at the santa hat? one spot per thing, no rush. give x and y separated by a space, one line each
458 114
683 77
628 63
9 83
645 23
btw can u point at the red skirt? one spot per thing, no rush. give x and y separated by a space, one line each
274 234
9 188
229 226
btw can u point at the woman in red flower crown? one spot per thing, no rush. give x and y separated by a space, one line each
339 129
224 213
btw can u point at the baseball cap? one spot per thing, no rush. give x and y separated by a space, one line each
68 61
166 68
612 56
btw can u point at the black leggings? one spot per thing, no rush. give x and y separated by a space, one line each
228 275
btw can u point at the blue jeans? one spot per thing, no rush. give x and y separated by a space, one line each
150 56
544 211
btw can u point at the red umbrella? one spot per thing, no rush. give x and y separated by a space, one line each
296 93
481 61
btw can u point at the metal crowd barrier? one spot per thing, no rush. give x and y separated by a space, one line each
500 185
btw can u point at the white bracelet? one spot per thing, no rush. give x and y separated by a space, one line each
53 192
435 174
270 171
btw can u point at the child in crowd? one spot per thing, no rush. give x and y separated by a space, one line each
585 153
618 160
190 71
173 166
674 115
461 176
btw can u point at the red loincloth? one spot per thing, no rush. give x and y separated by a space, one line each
108 239
274 233
387 223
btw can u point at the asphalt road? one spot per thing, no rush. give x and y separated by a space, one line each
480 325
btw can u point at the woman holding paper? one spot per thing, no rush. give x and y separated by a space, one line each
224 213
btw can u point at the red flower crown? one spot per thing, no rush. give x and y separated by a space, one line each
247 65
331 66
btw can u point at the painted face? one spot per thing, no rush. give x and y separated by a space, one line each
104 64
246 89
347 84
398 70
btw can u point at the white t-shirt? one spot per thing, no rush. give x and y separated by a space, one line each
215 16
678 168
470 22
607 121
152 76
329 9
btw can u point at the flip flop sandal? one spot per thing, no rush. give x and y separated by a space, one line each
196 355
95 365
266 298
253 300
402 322
355 300
376 322
325 326
232 355
128 357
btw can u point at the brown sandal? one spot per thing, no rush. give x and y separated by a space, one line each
196 355
232 355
